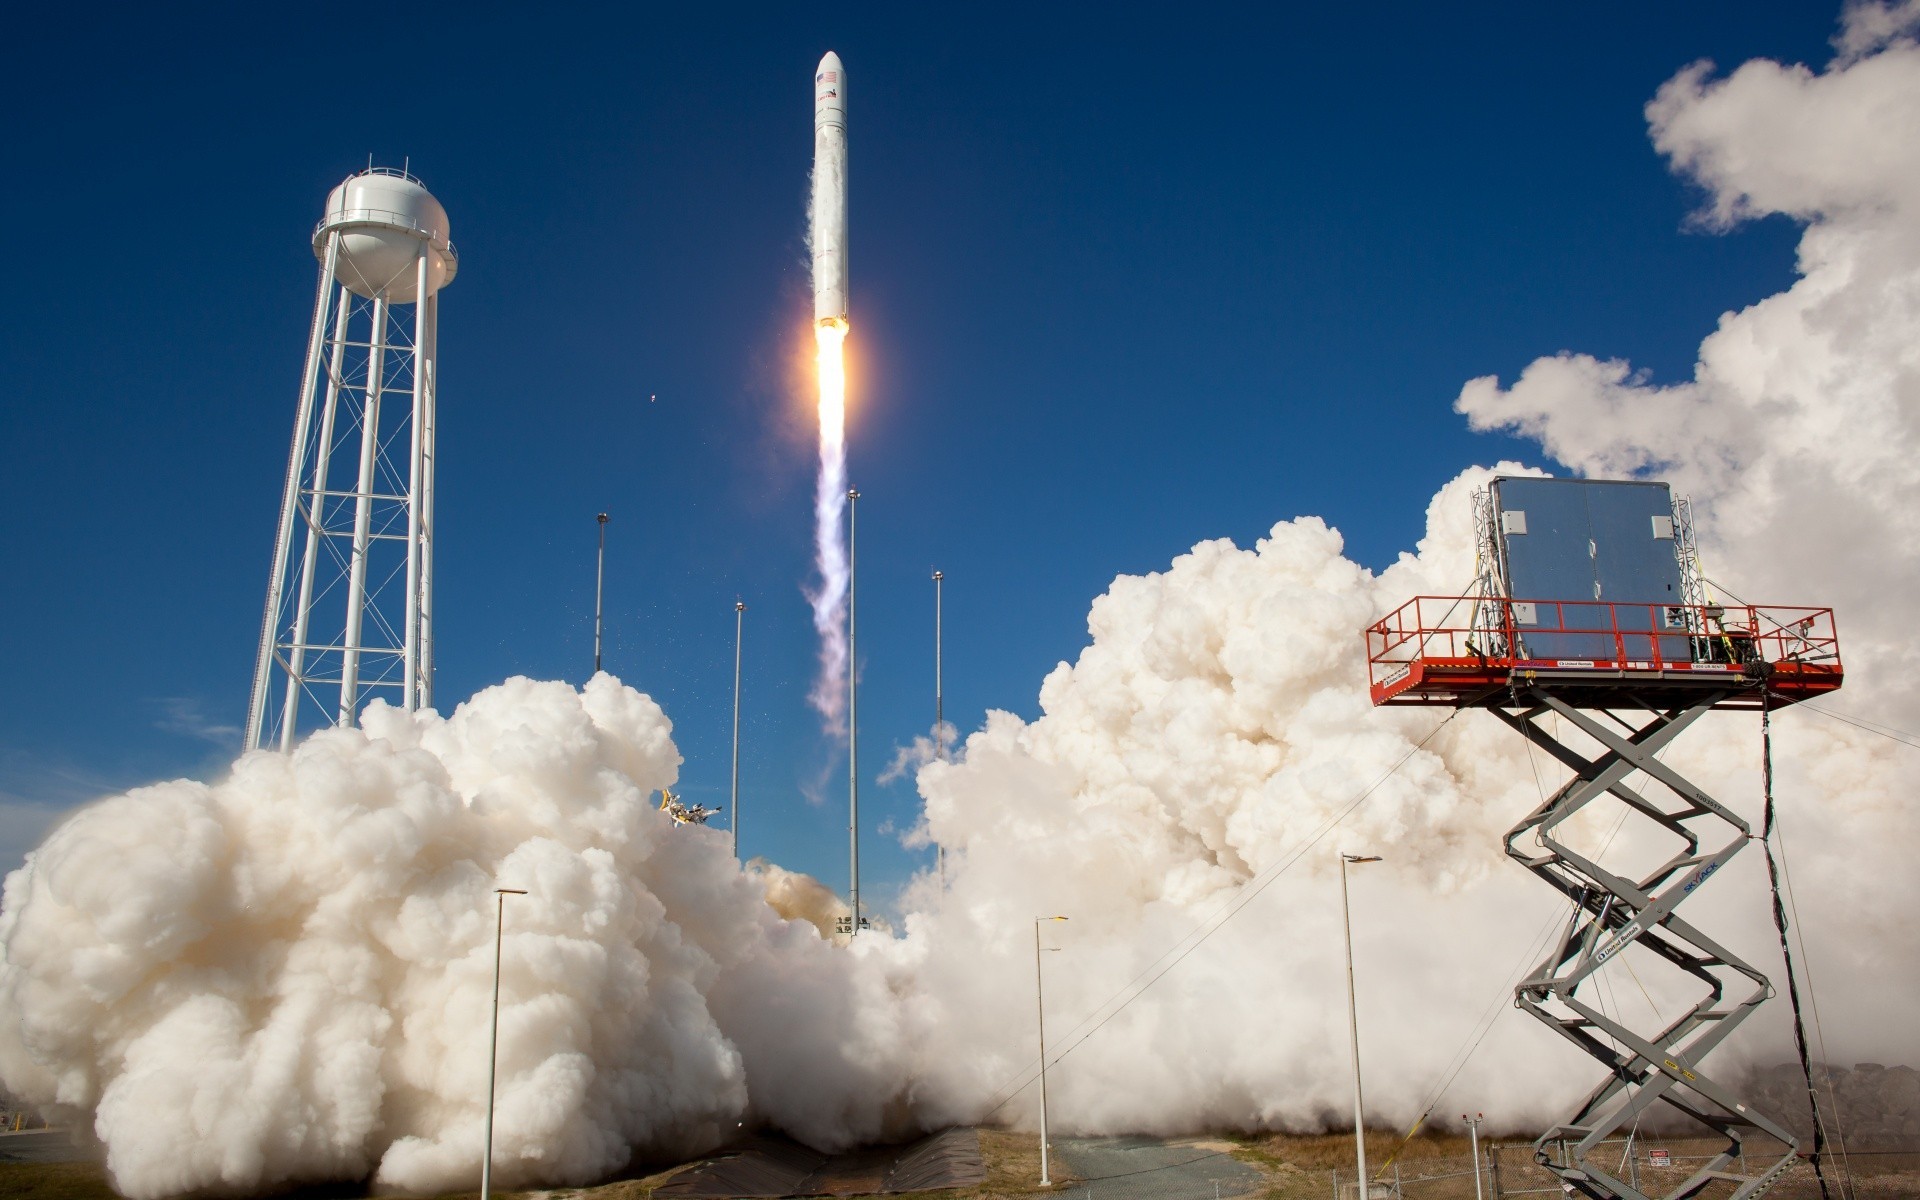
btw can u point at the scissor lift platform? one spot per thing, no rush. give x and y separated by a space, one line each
1624 680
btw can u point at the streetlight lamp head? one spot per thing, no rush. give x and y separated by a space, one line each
1360 858
852 494
939 574
511 891
602 518
739 606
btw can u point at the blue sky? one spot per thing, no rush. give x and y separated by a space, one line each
1123 278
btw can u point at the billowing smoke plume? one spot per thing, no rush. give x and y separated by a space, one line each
286 976
1218 719
283 975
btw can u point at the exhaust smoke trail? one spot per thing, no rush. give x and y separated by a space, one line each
829 599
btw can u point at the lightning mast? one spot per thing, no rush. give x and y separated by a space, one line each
855 922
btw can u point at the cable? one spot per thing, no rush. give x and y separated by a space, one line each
1477 1033
1786 950
1485 1023
1233 903
1471 1044
1813 996
1888 732
1813 1003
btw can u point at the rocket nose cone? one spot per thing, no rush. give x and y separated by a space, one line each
830 92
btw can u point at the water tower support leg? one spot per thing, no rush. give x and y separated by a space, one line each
428 364
410 635
362 518
283 541
316 514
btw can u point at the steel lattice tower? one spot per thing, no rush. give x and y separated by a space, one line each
349 611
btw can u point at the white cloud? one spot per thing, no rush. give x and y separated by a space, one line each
186 716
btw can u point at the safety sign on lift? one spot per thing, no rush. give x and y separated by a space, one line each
1659 1158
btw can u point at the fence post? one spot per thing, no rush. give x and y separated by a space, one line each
1493 1169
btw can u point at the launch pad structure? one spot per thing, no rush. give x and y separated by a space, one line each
1621 655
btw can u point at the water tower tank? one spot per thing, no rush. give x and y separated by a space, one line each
384 218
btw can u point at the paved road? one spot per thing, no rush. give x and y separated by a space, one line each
1142 1168
40 1145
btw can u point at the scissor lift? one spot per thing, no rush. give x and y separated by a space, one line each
1644 675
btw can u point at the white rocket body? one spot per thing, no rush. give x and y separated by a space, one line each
830 191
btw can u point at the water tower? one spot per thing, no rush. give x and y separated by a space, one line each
1592 633
349 612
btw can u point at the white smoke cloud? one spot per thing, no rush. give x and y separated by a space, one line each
1219 715
286 975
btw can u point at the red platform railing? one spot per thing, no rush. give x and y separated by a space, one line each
1457 649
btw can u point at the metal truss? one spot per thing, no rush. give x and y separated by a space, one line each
349 612
1613 913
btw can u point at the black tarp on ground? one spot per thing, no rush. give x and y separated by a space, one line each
771 1166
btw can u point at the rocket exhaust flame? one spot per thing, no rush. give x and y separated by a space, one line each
827 235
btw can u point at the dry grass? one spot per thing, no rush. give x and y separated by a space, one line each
1330 1151
54 1181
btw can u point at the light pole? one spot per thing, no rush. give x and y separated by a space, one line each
493 1037
1040 1000
853 720
939 715
739 624
1353 1023
1473 1124
599 582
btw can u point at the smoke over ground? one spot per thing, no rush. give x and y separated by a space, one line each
294 962
286 975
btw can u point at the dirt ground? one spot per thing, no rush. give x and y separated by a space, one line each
1291 1167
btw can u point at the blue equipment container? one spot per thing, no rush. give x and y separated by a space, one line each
1592 569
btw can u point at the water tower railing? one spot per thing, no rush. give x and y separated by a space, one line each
384 217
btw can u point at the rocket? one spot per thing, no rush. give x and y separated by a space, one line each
830 192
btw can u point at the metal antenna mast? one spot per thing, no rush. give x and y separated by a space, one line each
939 713
853 721
739 625
349 608
599 582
